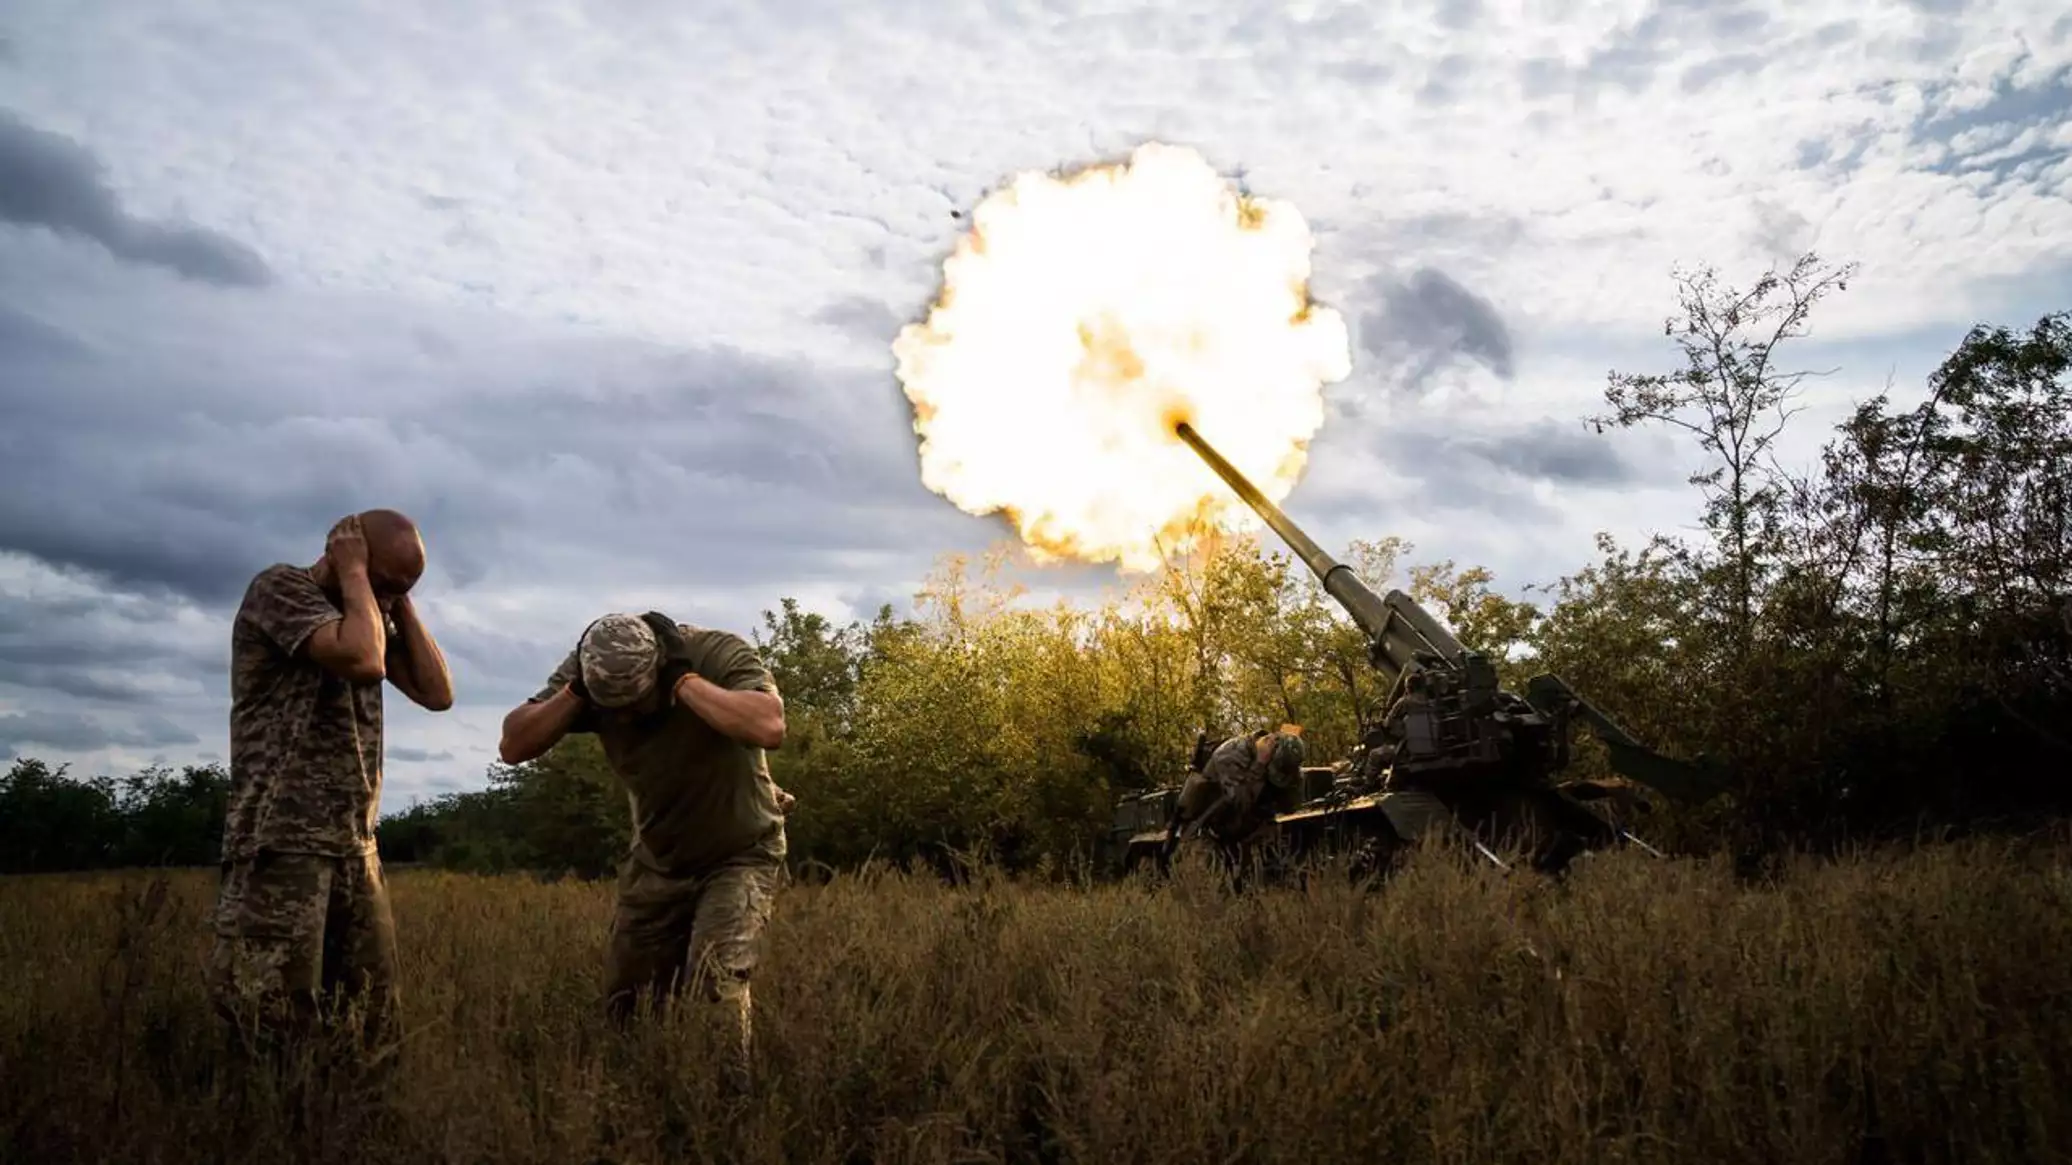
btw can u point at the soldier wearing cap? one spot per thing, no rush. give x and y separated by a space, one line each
684 715
1234 794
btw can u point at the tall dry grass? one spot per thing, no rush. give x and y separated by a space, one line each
1892 1008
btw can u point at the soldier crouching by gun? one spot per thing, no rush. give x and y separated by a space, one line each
684 716
1232 795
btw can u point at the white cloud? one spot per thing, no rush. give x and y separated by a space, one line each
686 175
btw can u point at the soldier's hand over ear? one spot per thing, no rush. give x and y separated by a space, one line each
667 634
670 638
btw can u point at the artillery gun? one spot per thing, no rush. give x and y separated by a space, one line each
1463 734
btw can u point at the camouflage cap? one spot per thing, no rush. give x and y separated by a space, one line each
1284 760
618 657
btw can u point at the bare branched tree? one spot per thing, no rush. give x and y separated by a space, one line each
1734 399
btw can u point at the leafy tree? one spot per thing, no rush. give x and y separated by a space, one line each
172 819
49 822
156 817
816 664
572 813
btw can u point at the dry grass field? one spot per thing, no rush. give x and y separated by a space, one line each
1904 1008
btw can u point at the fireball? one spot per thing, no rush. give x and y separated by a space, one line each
1082 317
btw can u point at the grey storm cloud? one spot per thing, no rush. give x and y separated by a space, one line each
519 459
114 686
1547 450
1473 473
1421 322
181 443
97 646
49 180
77 732
24 337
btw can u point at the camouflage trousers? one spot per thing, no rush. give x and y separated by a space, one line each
700 931
296 936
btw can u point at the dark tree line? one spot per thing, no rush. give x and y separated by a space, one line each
51 821
1875 643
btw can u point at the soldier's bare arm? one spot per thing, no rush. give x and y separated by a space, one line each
742 702
553 712
415 664
752 717
535 726
356 646
353 647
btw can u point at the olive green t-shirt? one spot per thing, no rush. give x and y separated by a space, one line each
698 797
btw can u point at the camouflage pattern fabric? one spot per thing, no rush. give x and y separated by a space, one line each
702 932
1227 798
305 745
619 659
708 850
1284 760
292 930
1235 765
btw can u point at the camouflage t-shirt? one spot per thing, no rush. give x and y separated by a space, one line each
305 744
698 797
1235 765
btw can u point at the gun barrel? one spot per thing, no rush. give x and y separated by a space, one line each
1397 624
1312 554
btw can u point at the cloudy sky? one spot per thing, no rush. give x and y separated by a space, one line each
603 293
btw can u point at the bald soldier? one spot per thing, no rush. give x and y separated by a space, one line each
684 715
302 911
